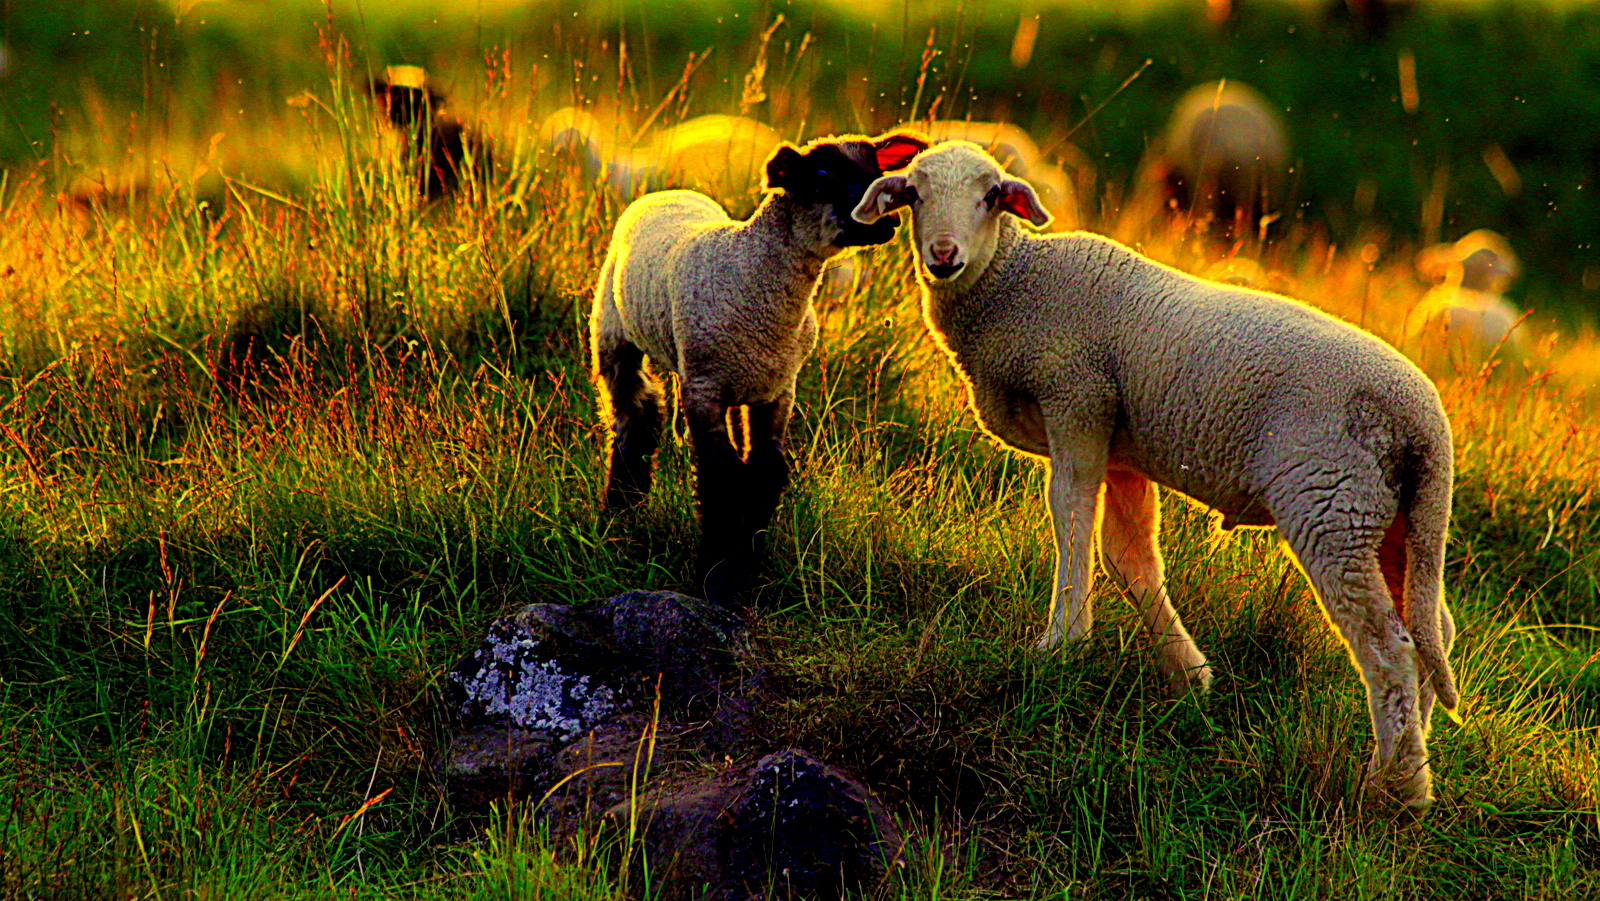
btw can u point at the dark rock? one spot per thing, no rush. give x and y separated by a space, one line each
689 641
565 669
680 838
789 827
804 829
494 764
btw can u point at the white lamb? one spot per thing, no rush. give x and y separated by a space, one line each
728 306
1465 319
718 153
1126 374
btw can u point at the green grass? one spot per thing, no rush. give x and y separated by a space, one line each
226 607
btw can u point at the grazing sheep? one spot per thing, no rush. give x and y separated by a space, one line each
439 142
727 305
1222 159
1465 319
719 154
1021 157
1126 374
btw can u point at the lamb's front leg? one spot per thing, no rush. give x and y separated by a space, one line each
1077 466
719 473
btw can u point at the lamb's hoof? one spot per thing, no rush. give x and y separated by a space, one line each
1408 795
1193 679
621 497
1049 644
617 501
729 583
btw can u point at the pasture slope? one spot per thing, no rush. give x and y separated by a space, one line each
278 438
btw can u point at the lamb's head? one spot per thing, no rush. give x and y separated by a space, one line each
956 193
830 174
1481 261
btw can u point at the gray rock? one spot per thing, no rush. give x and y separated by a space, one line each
558 706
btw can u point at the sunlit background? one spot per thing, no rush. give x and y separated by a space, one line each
279 434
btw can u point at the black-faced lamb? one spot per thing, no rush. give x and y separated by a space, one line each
1126 374
727 305
437 142
1222 159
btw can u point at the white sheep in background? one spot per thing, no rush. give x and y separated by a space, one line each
1020 156
1222 159
1126 374
1465 319
728 306
719 154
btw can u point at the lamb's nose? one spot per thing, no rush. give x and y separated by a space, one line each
942 252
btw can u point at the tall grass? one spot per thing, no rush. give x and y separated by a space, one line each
271 455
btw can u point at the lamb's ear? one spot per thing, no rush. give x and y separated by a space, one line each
896 150
783 167
1018 199
884 196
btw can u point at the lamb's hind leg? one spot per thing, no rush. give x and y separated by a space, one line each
719 481
634 402
1344 568
1129 544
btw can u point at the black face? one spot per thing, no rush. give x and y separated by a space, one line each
834 174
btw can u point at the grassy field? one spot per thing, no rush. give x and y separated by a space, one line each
228 597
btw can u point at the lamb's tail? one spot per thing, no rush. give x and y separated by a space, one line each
1412 556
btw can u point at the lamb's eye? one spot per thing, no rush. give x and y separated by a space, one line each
991 198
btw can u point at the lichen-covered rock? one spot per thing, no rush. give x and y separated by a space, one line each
513 679
554 675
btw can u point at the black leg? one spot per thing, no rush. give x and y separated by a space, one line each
635 407
724 557
766 472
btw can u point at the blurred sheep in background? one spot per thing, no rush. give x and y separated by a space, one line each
1222 160
1465 319
1369 18
440 143
720 155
